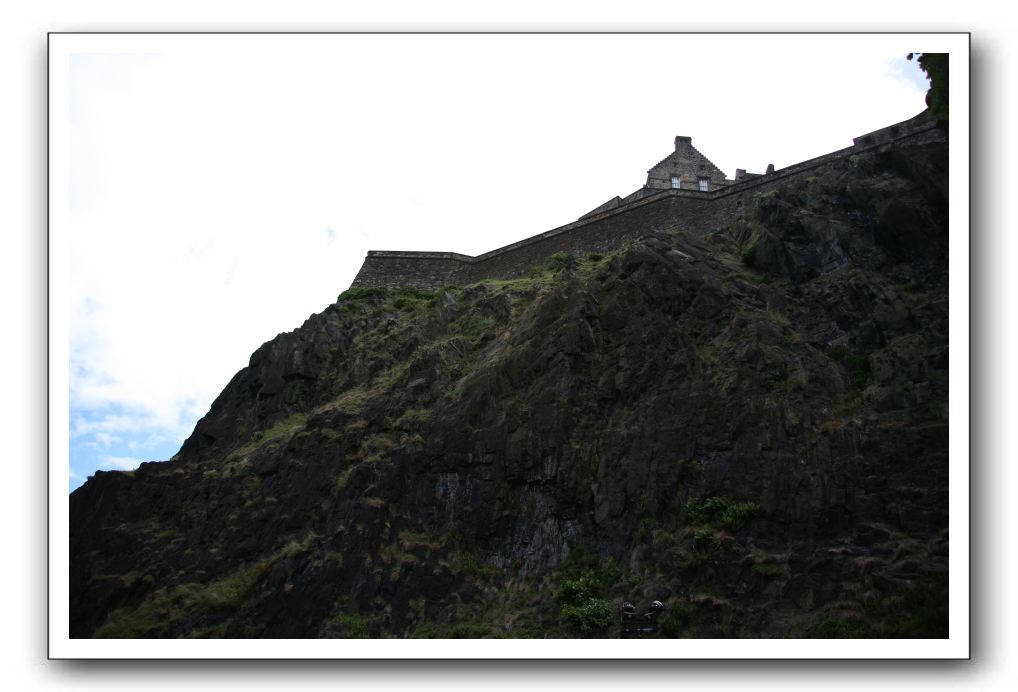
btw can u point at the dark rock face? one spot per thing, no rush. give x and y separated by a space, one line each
749 426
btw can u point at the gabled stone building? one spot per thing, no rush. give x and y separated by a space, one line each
683 169
686 169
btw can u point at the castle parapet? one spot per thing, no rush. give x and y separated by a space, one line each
620 220
428 271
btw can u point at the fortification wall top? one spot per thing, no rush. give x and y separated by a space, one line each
608 226
420 254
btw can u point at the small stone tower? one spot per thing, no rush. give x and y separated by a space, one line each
686 169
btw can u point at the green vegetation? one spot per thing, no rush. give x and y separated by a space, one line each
593 614
560 261
536 278
343 479
851 628
468 564
355 300
214 632
501 614
411 540
645 529
582 593
405 299
923 612
467 628
583 563
706 543
677 618
749 250
593 263
768 564
389 378
166 607
229 593
376 447
353 627
408 299
413 417
296 547
360 294
353 401
470 328
287 426
350 402
719 511
856 362
161 607
395 556
936 67
686 469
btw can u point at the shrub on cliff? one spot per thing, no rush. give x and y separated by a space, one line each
935 65
581 599
561 260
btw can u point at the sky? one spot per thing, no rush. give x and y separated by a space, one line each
220 189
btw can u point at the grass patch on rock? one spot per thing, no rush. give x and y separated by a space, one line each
287 426
168 606
719 511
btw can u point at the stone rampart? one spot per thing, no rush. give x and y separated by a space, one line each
639 214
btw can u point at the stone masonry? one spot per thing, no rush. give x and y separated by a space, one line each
686 169
658 206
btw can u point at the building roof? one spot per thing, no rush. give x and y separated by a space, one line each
687 163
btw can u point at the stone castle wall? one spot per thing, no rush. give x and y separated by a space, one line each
604 231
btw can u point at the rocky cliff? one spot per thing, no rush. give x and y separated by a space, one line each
750 426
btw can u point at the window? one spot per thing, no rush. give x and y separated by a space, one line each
676 183
704 184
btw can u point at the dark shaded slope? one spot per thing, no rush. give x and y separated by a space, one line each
749 426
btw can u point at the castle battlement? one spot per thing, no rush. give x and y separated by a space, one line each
684 191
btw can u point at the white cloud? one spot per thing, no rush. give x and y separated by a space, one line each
106 439
111 462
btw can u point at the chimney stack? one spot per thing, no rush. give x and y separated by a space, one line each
683 140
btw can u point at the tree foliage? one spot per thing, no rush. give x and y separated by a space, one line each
935 65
